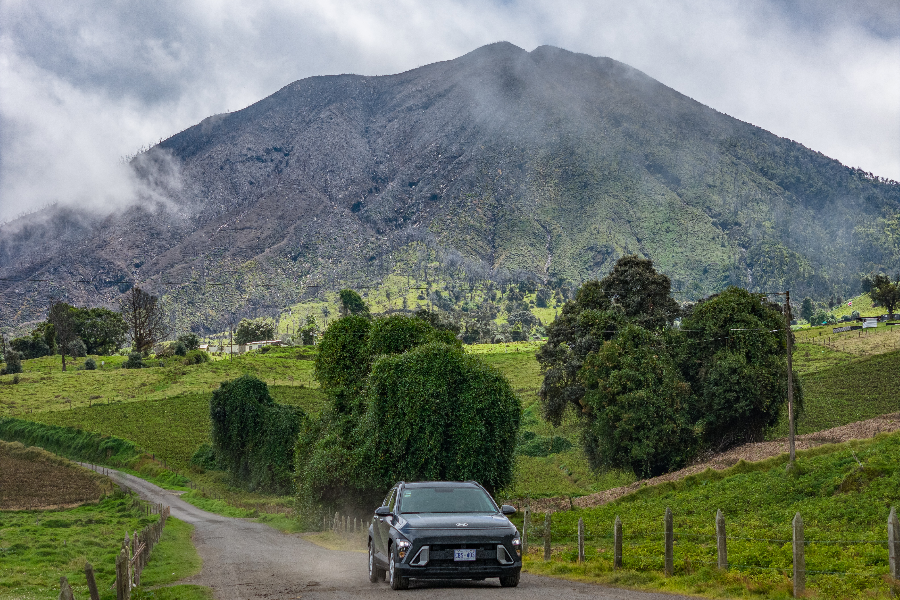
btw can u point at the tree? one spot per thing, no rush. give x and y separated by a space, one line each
806 309
253 330
62 317
735 359
190 341
13 363
885 292
253 436
145 318
637 406
436 413
352 303
103 331
632 292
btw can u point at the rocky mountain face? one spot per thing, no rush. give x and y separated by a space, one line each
499 164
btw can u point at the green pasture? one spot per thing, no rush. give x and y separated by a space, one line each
44 387
38 547
843 493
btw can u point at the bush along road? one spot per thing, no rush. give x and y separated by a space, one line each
251 561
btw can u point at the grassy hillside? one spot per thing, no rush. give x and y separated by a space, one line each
846 377
843 493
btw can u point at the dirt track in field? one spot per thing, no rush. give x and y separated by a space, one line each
748 452
245 560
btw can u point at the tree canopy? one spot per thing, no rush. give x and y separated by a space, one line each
886 292
650 396
404 402
254 330
145 317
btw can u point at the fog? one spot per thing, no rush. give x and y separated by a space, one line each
83 85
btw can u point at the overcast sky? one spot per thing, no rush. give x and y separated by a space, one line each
85 83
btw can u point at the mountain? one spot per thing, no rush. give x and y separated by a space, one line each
499 164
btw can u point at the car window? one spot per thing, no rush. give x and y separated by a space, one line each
446 499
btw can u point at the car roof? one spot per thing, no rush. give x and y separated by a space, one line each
431 484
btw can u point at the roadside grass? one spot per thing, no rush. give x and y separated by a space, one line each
37 547
174 557
843 492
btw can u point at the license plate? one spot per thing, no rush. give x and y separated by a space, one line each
464 555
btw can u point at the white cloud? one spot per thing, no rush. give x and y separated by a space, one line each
82 84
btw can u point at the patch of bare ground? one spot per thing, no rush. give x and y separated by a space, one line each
34 479
748 452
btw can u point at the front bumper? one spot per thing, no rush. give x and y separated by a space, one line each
435 561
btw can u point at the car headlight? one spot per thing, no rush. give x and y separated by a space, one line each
403 548
517 544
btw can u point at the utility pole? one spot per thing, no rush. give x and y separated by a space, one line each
790 373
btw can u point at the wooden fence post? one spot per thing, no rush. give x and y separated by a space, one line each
721 540
120 575
91 581
65 590
617 543
894 545
334 524
799 559
580 540
670 540
547 536
525 519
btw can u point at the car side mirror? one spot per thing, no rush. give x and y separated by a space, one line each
382 511
506 509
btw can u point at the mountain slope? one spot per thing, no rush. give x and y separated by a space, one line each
546 163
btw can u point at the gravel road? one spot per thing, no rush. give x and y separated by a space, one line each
243 560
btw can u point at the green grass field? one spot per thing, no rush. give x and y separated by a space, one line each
37 547
164 410
843 493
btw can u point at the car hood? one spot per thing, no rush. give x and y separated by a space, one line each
457 521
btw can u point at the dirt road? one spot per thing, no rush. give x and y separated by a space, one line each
243 560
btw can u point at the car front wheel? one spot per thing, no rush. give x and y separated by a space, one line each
375 574
397 582
510 580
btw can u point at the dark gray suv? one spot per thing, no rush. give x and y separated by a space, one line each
443 530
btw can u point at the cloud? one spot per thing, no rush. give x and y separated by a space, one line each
83 84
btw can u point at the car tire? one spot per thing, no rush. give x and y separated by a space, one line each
397 582
375 574
510 580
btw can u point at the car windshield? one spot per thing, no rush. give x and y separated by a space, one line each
446 500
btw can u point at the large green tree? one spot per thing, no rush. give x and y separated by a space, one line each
637 406
633 292
254 330
143 312
886 292
734 355
103 331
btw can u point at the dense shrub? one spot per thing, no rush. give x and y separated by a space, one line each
77 348
179 348
253 437
196 357
33 346
90 364
636 406
13 363
69 442
205 458
135 361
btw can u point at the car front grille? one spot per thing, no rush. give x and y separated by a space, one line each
443 553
